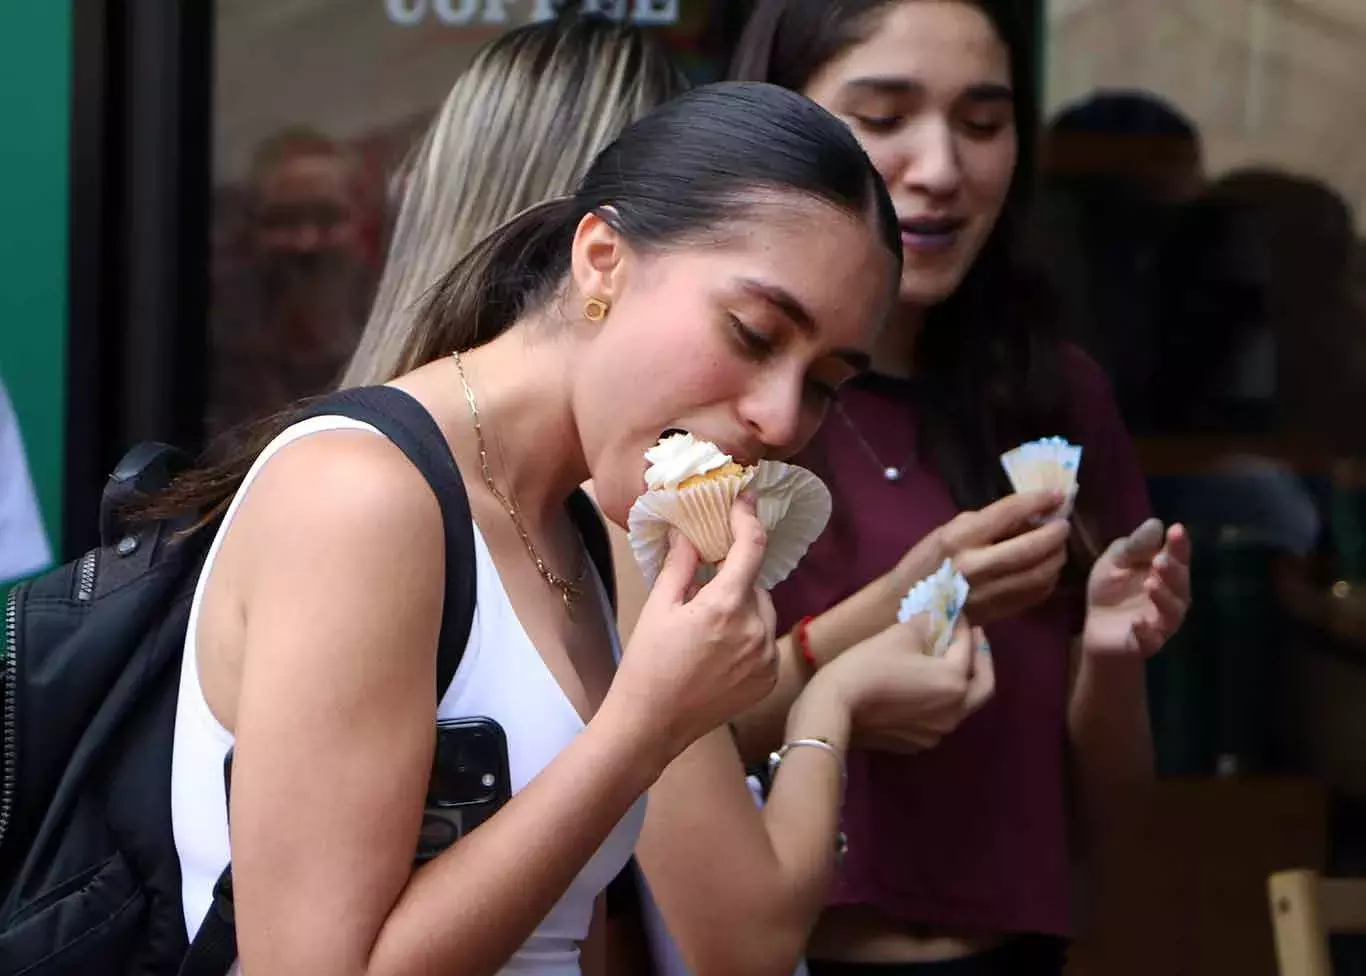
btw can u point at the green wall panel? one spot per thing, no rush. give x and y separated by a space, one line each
35 100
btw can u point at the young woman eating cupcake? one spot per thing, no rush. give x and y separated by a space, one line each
556 349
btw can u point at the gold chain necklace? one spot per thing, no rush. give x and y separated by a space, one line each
569 589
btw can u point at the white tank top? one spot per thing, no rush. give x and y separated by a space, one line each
501 676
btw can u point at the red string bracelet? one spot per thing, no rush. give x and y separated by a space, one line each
803 644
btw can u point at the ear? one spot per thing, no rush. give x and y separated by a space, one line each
597 259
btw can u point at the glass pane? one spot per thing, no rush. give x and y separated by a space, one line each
316 103
1205 185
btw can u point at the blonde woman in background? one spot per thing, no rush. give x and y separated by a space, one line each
519 128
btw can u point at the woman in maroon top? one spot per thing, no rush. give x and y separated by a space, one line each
959 858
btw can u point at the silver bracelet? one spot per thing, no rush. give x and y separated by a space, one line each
775 759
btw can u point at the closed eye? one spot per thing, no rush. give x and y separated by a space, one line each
753 343
983 129
878 123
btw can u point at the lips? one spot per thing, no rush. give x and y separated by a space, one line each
929 234
745 457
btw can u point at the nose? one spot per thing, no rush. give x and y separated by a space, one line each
931 163
775 413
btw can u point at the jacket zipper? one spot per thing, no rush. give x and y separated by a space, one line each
10 677
85 576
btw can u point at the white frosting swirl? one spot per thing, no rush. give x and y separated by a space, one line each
677 458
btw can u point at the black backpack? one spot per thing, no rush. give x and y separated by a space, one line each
89 876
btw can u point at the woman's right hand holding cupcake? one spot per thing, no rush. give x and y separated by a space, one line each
699 656
1010 562
900 698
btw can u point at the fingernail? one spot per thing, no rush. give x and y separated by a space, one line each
1162 561
984 646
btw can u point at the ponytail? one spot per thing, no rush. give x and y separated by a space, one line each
513 269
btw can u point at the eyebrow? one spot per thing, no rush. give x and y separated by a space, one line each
986 91
791 308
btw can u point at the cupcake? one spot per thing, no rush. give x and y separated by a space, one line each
692 486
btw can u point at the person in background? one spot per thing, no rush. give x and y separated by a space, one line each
287 313
1116 168
23 544
960 858
520 126
538 91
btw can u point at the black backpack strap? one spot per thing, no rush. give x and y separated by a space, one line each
214 948
411 428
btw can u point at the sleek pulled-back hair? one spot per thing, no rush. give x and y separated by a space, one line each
988 364
677 177
674 178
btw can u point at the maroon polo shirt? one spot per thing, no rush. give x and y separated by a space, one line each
971 835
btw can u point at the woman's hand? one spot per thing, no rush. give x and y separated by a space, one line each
1139 592
901 699
1010 563
697 659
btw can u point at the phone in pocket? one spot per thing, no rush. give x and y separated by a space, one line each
470 781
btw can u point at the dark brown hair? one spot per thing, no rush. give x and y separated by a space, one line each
988 363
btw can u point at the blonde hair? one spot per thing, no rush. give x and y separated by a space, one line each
521 126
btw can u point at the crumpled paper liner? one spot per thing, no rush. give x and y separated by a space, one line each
942 595
1050 464
791 503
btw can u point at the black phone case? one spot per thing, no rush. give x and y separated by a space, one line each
447 817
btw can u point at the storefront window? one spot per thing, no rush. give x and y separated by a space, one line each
1205 197
316 104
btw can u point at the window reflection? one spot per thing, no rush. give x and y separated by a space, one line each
293 279
1202 213
316 106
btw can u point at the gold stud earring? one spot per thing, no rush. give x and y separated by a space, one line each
595 309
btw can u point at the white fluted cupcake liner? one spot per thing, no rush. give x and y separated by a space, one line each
701 512
942 595
1050 464
791 503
